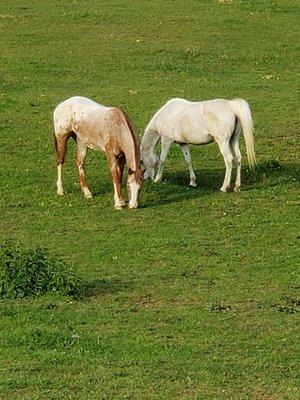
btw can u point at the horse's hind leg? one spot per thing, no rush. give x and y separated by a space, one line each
61 148
187 156
165 147
228 159
234 142
81 154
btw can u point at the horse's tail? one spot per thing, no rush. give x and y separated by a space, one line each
242 112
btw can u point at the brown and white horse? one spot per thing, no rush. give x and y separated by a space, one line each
107 129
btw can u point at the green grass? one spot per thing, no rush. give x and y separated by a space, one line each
195 295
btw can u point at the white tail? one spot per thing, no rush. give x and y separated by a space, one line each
242 111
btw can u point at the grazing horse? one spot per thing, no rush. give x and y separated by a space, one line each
107 129
186 122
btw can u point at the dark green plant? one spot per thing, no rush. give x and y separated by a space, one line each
33 272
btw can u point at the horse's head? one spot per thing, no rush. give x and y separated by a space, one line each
149 161
134 185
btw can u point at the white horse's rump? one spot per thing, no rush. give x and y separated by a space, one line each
186 122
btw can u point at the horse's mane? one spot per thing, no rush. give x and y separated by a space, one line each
133 135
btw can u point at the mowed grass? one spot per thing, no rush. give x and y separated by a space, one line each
195 295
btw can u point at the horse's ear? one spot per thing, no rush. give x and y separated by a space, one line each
130 171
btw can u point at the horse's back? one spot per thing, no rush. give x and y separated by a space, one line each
166 116
76 104
178 105
192 122
219 114
77 108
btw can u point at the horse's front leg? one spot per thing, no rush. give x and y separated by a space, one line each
116 169
81 154
187 156
165 147
120 168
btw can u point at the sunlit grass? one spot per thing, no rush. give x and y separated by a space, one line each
194 295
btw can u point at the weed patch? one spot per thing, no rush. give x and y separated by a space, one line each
32 272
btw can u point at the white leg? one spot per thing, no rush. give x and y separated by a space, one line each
61 147
238 160
187 156
165 147
119 202
60 189
228 159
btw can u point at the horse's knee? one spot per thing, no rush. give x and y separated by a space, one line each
60 159
229 159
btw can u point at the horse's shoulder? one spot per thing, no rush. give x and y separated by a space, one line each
115 113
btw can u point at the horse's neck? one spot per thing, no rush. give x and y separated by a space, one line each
131 155
149 140
130 147
124 136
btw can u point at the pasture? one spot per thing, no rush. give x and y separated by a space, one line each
195 294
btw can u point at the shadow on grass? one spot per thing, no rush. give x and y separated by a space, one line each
101 287
175 186
103 188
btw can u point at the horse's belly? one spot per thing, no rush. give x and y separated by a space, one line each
203 139
91 132
92 141
194 137
95 146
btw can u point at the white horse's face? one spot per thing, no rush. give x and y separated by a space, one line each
134 185
148 163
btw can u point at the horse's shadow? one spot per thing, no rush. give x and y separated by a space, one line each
175 185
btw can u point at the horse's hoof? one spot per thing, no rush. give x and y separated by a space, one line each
87 194
120 207
237 189
156 180
223 190
193 184
60 193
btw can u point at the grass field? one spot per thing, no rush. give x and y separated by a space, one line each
195 295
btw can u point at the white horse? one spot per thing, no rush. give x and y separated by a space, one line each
107 129
185 122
